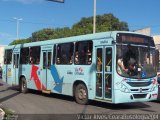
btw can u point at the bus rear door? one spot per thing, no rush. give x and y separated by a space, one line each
104 73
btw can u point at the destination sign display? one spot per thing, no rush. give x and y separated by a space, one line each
134 39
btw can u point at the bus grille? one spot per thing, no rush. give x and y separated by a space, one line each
139 84
139 95
137 90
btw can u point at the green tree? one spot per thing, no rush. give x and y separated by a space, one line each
20 41
106 22
48 33
43 34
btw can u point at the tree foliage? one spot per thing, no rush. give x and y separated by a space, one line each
47 34
106 22
20 41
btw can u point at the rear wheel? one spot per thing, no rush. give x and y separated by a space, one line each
81 94
23 85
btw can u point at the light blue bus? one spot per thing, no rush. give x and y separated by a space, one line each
113 67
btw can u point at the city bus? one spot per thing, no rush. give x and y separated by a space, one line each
86 67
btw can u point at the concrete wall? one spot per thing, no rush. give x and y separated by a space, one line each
156 39
145 31
1 54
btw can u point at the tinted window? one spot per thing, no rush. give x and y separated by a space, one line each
65 53
35 55
54 54
24 56
15 60
83 53
8 57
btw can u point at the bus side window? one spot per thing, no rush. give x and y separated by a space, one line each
89 56
8 57
65 53
35 55
54 54
24 58
76 59
5 60
83 53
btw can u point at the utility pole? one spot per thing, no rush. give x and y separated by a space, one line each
17 20
94 17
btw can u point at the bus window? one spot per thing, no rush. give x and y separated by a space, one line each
65 53
54 54
138 60
108 60
44 61
99 85
8 57
108 84
35 55
24 59
99 60
83 53
15 60
49 59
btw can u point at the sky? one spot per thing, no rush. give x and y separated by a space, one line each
39 14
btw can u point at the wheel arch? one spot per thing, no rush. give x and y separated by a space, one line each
21 76
76 82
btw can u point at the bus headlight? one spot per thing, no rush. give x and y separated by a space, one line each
124 88
153 88
154 85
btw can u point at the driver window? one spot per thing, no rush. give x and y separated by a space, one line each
127 60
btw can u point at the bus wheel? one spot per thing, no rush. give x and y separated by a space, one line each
23 85
81 94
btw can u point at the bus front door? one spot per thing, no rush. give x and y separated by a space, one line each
15 68
104 73
47 56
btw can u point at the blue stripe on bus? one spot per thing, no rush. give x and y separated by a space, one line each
57 80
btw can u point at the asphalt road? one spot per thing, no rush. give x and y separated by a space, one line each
37 103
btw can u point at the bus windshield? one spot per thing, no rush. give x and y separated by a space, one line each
136 61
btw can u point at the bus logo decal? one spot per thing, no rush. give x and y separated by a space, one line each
79 71
57 79
35 78
140 90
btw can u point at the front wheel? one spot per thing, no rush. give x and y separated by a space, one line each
81 94
23 85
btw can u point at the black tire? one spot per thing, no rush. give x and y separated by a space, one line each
81 94
23 85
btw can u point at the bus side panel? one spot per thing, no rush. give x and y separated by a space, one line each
25 70
61 79
63 84
4 77
34 81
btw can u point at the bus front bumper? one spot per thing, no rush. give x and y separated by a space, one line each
122 97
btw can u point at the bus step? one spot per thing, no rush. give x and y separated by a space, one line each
46 91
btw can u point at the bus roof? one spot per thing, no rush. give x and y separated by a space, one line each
100 35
